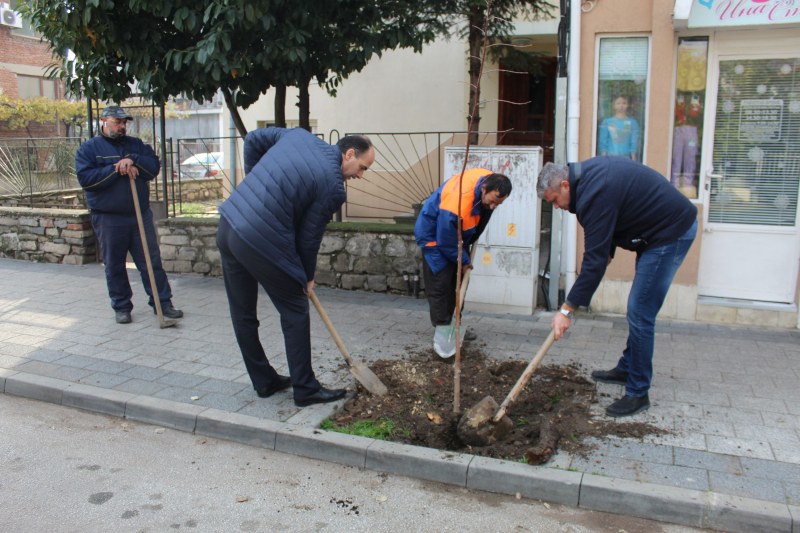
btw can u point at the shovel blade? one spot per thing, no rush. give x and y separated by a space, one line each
368 379
167 323
476 427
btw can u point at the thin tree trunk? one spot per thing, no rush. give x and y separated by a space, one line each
234 111
280 105
477 25
304 103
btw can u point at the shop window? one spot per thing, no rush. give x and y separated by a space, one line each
622 96
690 98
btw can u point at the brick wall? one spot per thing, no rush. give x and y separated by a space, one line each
21 50
30 52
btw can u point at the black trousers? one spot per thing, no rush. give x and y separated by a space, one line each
440 288
244 270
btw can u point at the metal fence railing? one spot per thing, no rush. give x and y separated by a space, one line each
194 159
39 166
408 167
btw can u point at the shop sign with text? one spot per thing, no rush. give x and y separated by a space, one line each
716 13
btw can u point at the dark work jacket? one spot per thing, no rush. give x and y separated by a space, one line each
293 186
436 229
620 202
108 191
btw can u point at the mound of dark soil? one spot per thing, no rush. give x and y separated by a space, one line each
551 413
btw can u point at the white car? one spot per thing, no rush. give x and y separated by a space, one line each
204 165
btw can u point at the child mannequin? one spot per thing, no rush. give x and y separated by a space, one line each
619 135
685 143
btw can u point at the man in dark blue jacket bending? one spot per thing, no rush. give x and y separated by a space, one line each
622 203
105 165
270 231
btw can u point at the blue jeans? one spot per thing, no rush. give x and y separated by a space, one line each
655 269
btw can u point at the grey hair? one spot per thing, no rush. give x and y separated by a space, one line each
549 178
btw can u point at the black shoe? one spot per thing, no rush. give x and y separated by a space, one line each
280 383
122 317
169 311
470 335
628 405
617 377
323 395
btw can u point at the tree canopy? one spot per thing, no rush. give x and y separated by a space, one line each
163 48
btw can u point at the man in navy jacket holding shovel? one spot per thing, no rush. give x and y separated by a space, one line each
622 203
105 166
270 231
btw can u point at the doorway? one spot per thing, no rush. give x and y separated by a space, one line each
527 108
750 241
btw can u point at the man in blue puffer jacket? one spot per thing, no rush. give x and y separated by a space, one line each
270 231
622 203
105 166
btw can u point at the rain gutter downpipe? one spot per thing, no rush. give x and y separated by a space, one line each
570 230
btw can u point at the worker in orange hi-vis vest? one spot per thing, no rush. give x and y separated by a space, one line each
436 232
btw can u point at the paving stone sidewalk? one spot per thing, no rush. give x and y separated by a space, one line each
727 395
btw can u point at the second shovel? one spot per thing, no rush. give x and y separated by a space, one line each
364 375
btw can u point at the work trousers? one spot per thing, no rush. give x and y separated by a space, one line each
244 270
655 269
119 235
440 289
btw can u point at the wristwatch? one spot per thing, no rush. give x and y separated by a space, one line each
566 312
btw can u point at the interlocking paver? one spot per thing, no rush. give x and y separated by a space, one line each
733 428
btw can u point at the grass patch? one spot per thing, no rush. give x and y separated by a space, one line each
381 429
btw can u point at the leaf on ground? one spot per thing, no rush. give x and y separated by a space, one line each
435 418
242 499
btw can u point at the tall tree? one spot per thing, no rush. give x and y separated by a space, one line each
163 48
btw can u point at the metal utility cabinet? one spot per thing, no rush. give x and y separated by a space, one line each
505 276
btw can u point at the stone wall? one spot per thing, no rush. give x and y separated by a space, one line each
347 259
195 190
47 235
189 244
377 262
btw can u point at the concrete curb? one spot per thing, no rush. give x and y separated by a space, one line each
646 500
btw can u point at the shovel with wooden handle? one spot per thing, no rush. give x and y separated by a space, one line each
162 322
364 375
445 344
484 423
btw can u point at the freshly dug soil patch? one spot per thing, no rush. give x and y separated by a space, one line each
553 412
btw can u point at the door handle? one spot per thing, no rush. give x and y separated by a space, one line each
709 177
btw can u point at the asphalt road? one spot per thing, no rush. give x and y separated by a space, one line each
69 470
